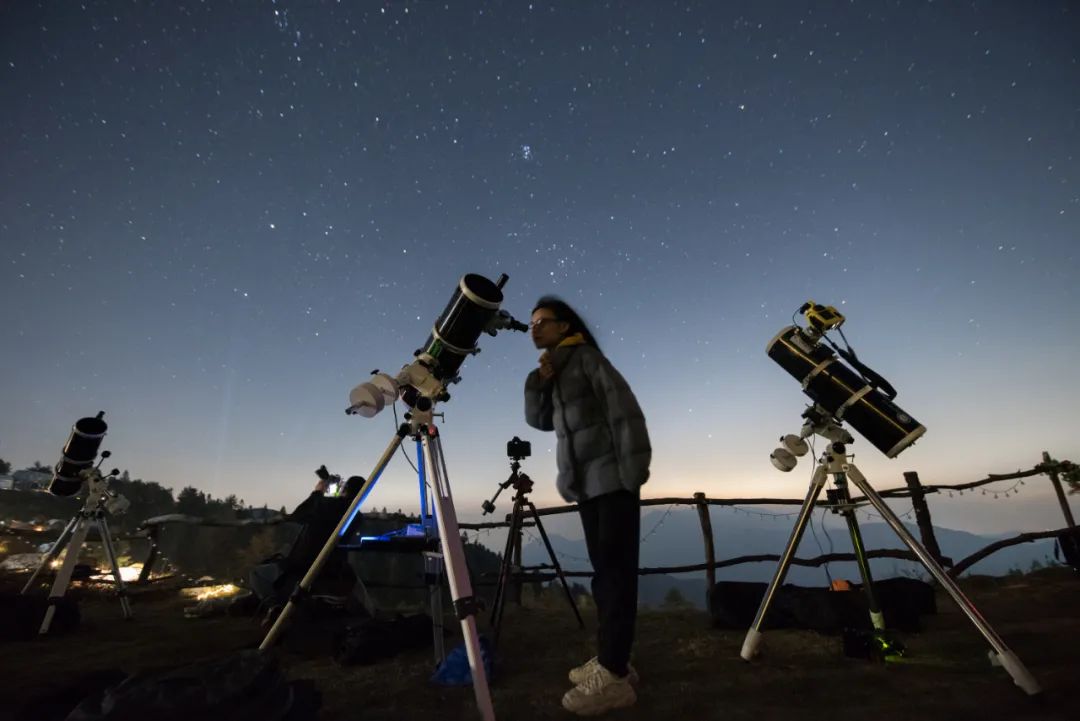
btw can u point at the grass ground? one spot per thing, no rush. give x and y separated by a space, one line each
688 670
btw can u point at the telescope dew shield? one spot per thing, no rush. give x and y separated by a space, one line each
80 451
454 336
843 393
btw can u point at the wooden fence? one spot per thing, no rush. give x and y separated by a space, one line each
913 490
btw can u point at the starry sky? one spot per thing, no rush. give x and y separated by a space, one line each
216 218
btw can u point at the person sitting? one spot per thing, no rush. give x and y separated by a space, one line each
273 580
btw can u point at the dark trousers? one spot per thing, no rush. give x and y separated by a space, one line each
612 524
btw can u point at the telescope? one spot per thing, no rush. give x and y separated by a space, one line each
860 397
78 455
473 309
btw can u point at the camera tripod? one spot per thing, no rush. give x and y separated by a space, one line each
834 461
511 558
99 501
420 425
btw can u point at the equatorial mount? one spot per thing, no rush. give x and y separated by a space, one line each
817 421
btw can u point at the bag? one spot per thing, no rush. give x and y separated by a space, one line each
733 604
455 670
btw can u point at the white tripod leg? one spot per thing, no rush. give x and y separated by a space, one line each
52 553
456 571
63 576
1020 675
753 636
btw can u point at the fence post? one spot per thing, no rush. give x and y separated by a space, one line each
710 555
922 515
1052 472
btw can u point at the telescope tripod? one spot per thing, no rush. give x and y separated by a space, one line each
73 537
420 425
834 461
511 558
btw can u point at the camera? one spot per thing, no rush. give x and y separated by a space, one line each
517 448
332 480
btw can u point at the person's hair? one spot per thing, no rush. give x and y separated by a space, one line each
353 486
566 314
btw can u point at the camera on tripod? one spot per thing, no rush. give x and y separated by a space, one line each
517 449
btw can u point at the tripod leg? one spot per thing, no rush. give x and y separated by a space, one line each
555 563
63 576
504 573
53 552
110 555
456 571
331 543
1012 664
433 571
753 636
876 616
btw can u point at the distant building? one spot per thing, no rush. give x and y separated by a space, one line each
7 483
30 480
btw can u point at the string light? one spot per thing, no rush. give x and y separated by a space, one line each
658 523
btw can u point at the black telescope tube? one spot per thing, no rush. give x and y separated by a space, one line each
79 453
843 393
455 333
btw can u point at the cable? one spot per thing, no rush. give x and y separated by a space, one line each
825 566
402 446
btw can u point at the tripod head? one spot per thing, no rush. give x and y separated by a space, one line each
517 450
99 497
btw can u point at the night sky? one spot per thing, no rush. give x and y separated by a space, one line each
216 218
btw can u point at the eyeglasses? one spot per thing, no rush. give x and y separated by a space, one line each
539 322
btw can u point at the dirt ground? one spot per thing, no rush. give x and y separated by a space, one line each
688 670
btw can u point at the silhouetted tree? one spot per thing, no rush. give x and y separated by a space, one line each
191 501
674 599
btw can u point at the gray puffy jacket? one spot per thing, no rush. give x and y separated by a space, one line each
603 445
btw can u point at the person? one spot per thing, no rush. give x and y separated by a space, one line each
273 580
602 456
319 515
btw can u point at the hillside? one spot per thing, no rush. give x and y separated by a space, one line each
676 540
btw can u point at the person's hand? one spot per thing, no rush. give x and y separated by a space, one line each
321 486
547 372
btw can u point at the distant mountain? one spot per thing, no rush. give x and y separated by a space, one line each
674 539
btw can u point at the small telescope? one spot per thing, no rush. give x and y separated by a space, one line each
79 454
473 309
861 397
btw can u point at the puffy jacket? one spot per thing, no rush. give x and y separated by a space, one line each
603 444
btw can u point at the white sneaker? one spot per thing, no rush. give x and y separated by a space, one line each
582 672
602 691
